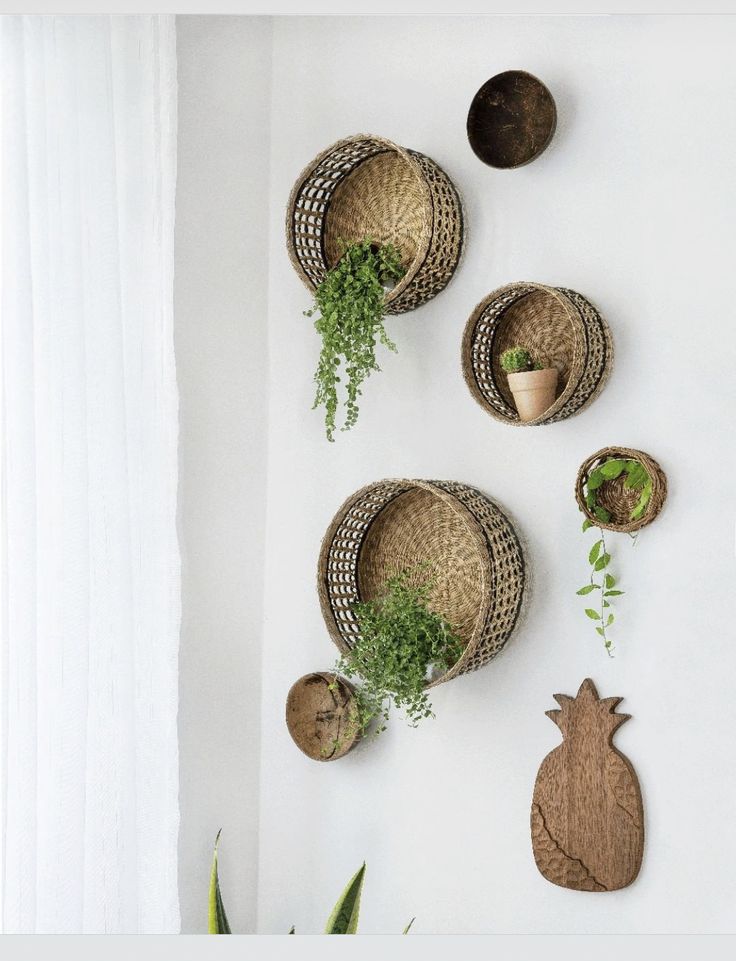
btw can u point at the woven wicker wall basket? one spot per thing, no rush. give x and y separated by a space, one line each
618 500
558 326
368 188
470 546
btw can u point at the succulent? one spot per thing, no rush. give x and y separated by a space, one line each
517 359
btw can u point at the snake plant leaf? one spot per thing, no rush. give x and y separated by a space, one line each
408 927
218 923
344 917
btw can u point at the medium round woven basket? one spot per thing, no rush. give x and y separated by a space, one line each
558 326
473 554
368 188
618 500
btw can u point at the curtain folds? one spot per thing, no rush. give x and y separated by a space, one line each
91 562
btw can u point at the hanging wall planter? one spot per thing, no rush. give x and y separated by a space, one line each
558 327
321 716
372 229
511 120
616 497
368 188
456 532
617 489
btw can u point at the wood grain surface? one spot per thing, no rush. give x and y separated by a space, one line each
587 817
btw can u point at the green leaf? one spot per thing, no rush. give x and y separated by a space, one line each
601 631
610 620
609 581
587 525
293 930
408 927
602 514
344 917
588 588
595 479
602 562
613 593
595 551
605 604
612 469
217 920
593 615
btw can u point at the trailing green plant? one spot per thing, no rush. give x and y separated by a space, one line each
518 359
350 308
342 920
636 478
400 641
601 579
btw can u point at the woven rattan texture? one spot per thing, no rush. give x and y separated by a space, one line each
369 188
472 549
559 326
613 496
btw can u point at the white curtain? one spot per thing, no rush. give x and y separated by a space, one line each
91 564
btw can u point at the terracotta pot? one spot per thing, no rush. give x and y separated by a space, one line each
534 391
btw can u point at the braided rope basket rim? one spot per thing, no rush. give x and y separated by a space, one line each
413 160
476 534
659 486
571 400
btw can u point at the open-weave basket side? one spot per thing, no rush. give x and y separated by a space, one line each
656 501
590 356
487 527
436 221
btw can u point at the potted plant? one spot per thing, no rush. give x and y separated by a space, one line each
349 304
633 477
534 387
401 646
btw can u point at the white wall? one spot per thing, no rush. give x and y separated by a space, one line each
221 270
633 205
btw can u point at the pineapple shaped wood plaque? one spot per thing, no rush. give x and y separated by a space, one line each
587 815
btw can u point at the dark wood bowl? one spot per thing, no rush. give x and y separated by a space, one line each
511 120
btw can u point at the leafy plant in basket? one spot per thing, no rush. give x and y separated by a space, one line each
349 304
342 920
636 478
533 385
400 642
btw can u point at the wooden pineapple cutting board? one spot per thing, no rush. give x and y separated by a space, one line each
587 815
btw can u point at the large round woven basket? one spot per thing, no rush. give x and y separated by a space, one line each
618 500
368 188
472 552
558 326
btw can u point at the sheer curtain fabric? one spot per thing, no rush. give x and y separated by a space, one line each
91 563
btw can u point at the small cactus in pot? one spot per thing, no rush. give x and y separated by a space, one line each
533 385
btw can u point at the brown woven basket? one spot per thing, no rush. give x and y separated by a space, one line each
368 188
617 499
322 715
561 329
470 545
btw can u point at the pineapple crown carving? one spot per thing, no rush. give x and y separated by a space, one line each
586 712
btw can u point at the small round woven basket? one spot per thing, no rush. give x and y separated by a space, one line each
618 500
322 716
368 188
472 551
558 326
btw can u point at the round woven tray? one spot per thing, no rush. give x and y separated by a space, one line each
322 718
615 497
368 188
561 329
472 550
511 120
